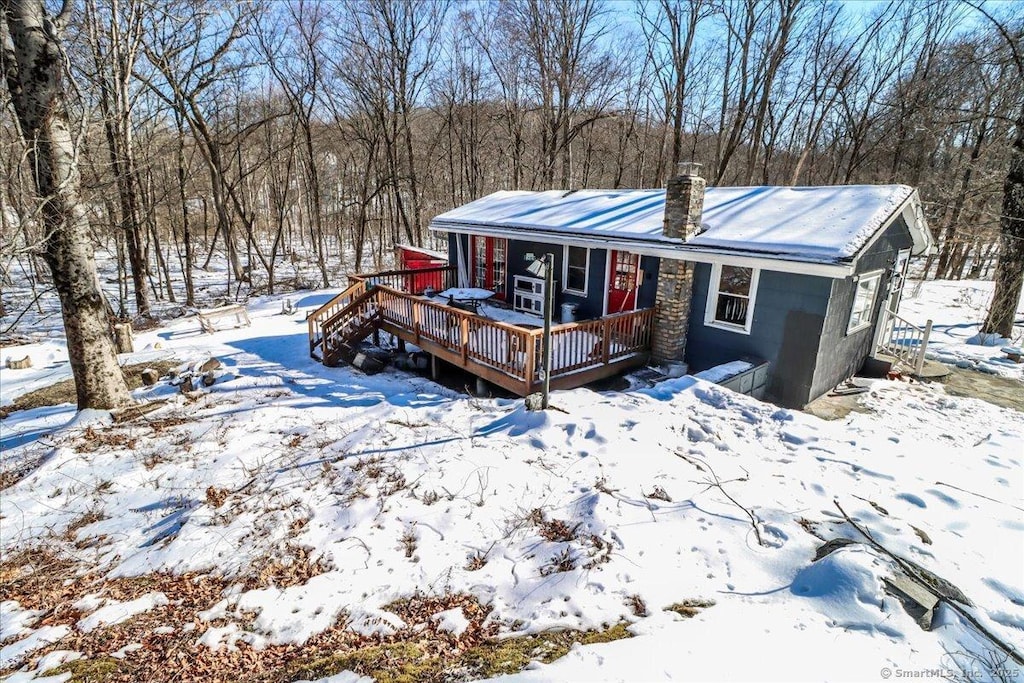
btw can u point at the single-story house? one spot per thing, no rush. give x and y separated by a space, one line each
798 277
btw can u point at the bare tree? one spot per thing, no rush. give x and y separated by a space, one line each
572 74
1009 275
672 28
114 36
33 63
387 53
189 46
298 74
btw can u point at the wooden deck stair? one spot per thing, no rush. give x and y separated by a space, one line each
334 314
349 326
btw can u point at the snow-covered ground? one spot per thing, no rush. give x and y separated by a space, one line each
602 512
957 308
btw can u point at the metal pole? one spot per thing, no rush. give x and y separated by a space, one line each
549 295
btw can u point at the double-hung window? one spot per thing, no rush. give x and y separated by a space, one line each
863 301
730 303
576 266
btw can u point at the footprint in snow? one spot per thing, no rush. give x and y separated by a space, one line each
795 437
1012 594
948 500
773 536
912 499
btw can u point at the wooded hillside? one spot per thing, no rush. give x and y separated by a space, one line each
328 131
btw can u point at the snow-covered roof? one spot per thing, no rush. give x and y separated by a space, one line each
432 253
817 224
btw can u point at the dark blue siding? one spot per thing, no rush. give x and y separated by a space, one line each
841 355
590 306
789 311
649 285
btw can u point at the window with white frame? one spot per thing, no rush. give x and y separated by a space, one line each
731 298
575 267
863 301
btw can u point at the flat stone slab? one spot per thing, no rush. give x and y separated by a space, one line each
1014 353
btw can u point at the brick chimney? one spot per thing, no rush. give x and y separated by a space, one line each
684 203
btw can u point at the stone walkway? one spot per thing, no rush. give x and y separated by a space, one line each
1000 391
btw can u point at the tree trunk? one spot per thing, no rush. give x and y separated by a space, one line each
33 63
190 292
1009 277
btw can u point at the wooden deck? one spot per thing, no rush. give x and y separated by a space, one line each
506 355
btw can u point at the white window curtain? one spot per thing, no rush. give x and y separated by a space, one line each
462 264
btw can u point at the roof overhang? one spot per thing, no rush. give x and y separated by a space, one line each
661 249
913 215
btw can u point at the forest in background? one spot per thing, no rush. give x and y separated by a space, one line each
260 134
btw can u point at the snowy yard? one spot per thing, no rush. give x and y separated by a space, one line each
956 309
291 510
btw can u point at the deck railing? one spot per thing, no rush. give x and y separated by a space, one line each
488 342
329 311
438 278
516 351
348 326
582 345
506 354
904 340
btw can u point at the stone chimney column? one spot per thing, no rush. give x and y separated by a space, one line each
684 204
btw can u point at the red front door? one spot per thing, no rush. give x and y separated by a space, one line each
490 255
623 280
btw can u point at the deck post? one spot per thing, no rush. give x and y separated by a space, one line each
549 304
923 348
529 368
464 337
416 322
433 367
606 341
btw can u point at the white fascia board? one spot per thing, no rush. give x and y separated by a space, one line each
913 215
645 248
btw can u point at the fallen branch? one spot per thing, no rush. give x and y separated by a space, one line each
715 482
1001 502
916 575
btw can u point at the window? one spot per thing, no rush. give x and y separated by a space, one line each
490 255
626 266
731 298
480 262
499 256
863 301
575 270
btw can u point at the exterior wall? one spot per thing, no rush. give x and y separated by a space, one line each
841 354
789 313
648 291
590 306
453 252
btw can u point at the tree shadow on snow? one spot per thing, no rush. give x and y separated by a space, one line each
17 430
286 359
